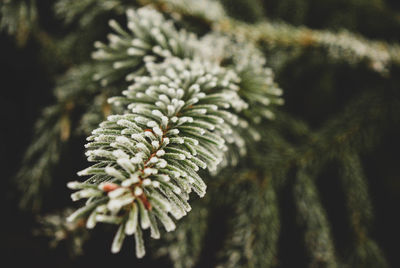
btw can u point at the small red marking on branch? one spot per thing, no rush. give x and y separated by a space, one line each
143 197
145 201
108 187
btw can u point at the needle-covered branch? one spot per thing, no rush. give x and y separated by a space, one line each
147 160
184 114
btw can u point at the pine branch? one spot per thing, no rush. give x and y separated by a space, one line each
365 252
151 38
192 103
358 127
185 245
52 132
206 11
41 157
77 89
160 145
257 85
255 227
318 238
85 12
18 17
343 46
180 117
56 227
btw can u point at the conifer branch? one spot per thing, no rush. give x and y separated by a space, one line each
181 116
52 133
166 110
18 17
206 11
184 247
167 137
125 56
359 127
318 238
342 46
55 227
255 227
365 250
86 11
42 155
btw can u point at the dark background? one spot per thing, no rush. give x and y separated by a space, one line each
26 87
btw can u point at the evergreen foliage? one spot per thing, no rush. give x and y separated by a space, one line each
182 96
181 117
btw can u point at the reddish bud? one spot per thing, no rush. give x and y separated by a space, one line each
108 187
